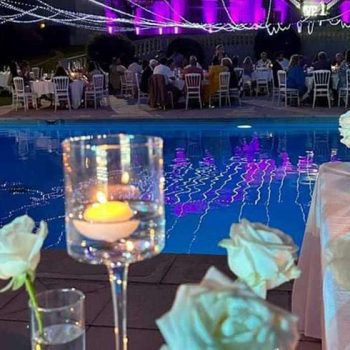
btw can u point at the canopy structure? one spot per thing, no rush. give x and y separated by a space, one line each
176 16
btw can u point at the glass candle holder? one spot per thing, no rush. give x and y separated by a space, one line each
114 207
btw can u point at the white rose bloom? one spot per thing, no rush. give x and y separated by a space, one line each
20 250
260 256
219 314
344 122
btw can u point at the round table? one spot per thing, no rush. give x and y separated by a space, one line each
42 87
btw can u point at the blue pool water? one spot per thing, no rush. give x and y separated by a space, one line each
216 174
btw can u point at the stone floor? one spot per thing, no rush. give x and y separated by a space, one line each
152 287
257 107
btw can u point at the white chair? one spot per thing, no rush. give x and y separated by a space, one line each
22 96
140 94
96 92
127 83
284 91
193 84
224 89
61 91
321 85
262 79
36 73
344 92
275 90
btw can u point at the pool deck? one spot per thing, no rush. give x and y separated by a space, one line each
152 288
121 109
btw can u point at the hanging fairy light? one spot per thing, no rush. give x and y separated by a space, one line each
41 12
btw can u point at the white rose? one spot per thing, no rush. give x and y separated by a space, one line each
218 314
344 122
260 256
20 250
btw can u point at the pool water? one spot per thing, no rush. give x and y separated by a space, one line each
216 174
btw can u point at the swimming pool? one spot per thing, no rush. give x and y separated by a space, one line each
216 174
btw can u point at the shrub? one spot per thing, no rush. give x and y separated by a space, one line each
187 47
104 47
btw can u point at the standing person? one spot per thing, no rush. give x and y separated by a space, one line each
146 74
296 75
25 72
116 70
135 67
13 72
345 65
219 54
248 67
264 61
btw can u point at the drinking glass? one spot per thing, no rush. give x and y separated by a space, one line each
62 320
114 207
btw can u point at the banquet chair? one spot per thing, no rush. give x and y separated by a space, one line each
61 91
96 92
127 83
224 89
284 91
321 85
193 84
262 80
140 94
344 92
36 73
23 96
159 95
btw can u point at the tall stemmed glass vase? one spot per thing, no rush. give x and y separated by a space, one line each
114 207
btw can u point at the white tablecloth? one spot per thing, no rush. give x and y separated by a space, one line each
262 75
76 91
46 87
322 305
43 87
4 78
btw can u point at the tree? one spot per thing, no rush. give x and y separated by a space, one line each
187 47
103 48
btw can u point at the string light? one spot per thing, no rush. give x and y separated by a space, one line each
42 12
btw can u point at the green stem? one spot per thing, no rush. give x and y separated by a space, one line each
34 302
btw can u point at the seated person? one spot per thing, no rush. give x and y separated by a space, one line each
283 62
163 68
339 58
193 67
213 76
226 62
264 62
146 74
296 75
60 72
135 67
248 67
322 62
92 70
276 66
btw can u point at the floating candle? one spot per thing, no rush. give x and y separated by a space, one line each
107 220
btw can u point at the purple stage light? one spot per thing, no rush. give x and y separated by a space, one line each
111 15
281 10
210 8
162 13
178 12
345 10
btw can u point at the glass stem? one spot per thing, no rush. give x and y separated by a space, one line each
118 277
